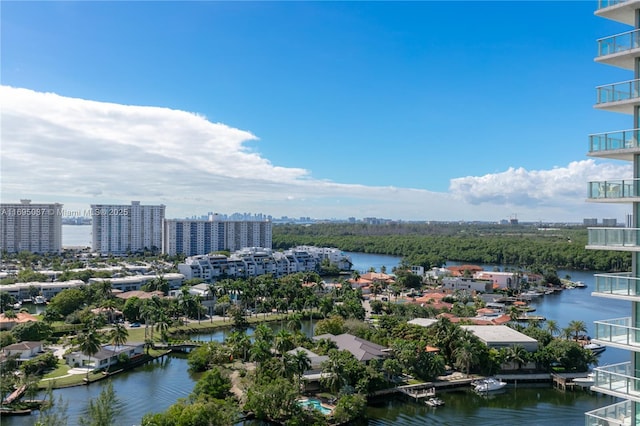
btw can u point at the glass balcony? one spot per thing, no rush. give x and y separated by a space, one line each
617 92
614 238
617 380
607 3
611 141
622 284
618 332
616 414
619 43
613 189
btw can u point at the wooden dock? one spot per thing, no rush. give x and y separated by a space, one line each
419 391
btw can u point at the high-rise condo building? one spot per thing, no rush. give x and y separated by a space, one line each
619 380
31 227
120 229
193 237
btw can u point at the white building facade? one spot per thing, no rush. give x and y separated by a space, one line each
36 228
198 237
619 380
122 229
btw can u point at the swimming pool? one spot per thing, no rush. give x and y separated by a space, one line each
315 404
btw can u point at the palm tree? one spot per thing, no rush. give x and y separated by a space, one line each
89 345
118 337
465 355
552 327
577 327
517 354
283 341
162 325
302 363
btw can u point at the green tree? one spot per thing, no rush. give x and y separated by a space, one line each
118 336
89 345
103 410
577 327
52 413
213 384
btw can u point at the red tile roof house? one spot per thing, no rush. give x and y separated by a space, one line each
21 317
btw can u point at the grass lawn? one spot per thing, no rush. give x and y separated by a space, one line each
60 370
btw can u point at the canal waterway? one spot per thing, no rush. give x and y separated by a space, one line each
157 385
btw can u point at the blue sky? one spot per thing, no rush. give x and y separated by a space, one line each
435 110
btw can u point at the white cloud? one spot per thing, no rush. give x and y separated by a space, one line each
75 151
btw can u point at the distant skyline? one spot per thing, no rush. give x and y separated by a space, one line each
399 110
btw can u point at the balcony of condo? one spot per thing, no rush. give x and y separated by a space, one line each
617 333
619 239
620 50
618 97
618 10
613 191
617 380
622 286
618 145
616 414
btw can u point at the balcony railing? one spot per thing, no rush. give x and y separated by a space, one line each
617 380
622 284
617 92
607 3
619 43
613 189
618 331
611 141
614 237
616 414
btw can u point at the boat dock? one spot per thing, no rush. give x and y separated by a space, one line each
419 391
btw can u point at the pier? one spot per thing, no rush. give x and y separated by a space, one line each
419 391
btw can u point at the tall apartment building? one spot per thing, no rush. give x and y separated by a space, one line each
619 380
118 229
194 237
31 227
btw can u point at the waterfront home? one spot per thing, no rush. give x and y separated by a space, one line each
363 350
467 284
23 350
106 356
21 317
312 376
139 294
502 336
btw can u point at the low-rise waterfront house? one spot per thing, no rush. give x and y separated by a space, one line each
106 356
20 318
23 350
502 336
363 350
467 284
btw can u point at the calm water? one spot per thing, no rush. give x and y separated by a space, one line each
76 235
156 386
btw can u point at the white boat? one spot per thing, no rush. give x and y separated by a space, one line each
595 348
434 402
488 385
579 284
39 300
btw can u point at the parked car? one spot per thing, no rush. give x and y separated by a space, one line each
134 324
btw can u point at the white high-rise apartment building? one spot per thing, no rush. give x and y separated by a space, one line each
31 227
194 237
619 380
120 229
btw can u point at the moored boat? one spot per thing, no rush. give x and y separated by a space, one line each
595 348
434 402
488 385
